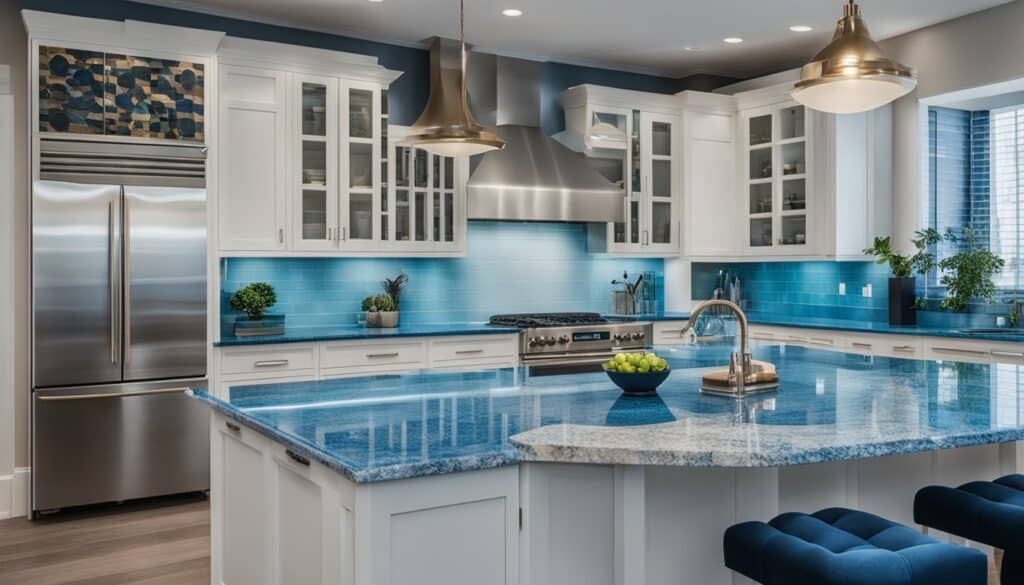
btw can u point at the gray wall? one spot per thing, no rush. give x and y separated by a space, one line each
976 50
13 51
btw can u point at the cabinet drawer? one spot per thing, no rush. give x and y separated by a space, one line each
813 338
954 350
1007 353
373 356
266 360
670 333
498 349
897 346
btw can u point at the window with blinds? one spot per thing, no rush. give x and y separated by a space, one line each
1006 198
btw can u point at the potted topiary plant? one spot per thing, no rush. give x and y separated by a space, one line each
254 300
903 283
382 310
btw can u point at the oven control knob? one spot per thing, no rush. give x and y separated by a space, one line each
534 342
637 336
551 340
563 339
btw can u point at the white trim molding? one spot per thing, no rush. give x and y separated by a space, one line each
8 506
121 34
266 55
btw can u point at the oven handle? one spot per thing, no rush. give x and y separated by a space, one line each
577 359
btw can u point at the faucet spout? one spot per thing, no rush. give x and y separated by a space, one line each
745 376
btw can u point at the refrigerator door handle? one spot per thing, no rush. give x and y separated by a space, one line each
114 284
126 278
61 398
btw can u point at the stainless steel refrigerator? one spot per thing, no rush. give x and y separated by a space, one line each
119 322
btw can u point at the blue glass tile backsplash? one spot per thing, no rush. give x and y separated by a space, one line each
510 267
804 289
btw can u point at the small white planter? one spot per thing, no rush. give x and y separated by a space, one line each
382 319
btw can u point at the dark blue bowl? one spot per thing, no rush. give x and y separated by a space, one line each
639 384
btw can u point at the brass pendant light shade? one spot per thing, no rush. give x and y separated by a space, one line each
852 74
446 127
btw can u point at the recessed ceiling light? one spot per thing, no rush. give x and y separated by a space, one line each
376 1
691 48
512 12
800 28
733 40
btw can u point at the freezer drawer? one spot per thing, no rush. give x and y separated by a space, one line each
113 443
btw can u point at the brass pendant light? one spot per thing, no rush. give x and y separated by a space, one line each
852 74
446 127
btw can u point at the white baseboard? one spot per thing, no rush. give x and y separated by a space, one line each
14 493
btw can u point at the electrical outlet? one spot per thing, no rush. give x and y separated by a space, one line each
868 291
842 289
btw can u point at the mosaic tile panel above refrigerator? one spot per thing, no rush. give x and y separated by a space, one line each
510 268
804 289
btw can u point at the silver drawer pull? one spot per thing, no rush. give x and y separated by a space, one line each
860 345
469 351
1008 354
959 351
271 364
822 341
381 356
232 427
297 458
904 348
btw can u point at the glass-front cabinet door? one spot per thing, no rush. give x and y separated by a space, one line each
424 202
660 182
361 161
316 163
647 170
777 176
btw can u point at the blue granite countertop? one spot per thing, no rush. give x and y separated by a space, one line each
831 406
1011 335
331 333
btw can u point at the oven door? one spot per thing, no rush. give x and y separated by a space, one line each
567 363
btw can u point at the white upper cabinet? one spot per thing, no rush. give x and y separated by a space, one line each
253 160
308 164
807 184
633 139
709 174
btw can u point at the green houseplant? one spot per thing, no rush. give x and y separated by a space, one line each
382 310
254 300
903 283
968 274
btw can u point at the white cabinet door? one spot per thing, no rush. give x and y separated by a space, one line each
314 180
709 175
662 201
253 162
359 206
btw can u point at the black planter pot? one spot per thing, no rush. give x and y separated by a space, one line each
902 297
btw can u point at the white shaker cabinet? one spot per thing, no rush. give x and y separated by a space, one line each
709 173
253 160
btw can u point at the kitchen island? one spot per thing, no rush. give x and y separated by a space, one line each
497 477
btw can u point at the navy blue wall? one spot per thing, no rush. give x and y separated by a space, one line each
409 94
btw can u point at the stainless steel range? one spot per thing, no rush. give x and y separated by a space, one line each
566 342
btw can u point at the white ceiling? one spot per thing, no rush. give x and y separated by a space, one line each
648 36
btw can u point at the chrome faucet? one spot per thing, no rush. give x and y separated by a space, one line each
745 375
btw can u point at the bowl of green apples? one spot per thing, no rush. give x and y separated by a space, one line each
637 374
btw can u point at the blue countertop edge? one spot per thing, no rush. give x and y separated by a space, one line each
821 323
356 332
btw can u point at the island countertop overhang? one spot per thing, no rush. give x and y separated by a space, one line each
832 407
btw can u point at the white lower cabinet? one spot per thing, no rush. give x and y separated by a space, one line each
898 346
309 361
280 519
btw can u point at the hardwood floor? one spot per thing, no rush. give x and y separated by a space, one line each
158 542
163 542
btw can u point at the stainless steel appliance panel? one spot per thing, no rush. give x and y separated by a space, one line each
165 283
76 247
111 443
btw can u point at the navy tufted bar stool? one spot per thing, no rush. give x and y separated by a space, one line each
990 512
845 547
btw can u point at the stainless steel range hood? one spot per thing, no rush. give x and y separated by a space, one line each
534 178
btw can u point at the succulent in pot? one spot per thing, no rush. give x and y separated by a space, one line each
381 311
